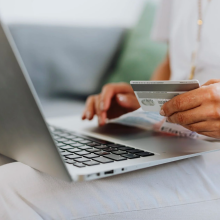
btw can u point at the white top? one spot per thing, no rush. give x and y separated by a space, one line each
176 23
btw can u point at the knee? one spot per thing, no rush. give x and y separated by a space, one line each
12 174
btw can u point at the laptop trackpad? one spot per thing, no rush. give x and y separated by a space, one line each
123 132
148 140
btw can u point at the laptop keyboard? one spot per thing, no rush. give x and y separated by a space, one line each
82 151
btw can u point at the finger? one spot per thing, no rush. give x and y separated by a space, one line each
201 113
89 109
204 126
183 102
128 101
213 134
96 104
211 81
83 117
110 90
101 115
102 118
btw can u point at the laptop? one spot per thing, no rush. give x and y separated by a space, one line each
65 154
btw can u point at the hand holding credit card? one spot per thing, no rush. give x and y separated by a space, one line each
152 95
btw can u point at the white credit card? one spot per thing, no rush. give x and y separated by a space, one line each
153 94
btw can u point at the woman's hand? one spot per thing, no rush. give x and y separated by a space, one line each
114 100
197 110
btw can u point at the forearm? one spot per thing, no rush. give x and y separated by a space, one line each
163 70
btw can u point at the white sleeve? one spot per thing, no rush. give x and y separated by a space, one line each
162 23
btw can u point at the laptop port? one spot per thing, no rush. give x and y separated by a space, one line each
109 172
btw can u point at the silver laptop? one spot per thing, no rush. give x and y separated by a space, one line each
25 137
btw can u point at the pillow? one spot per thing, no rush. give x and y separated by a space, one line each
66 60
140 55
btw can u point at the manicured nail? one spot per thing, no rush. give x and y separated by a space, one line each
88 115
121 98
162 112
102 106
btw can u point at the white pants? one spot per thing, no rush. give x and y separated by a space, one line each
187 189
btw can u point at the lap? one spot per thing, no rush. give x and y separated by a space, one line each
182 189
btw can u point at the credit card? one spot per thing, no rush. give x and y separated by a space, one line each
153 94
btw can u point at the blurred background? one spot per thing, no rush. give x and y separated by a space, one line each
71 48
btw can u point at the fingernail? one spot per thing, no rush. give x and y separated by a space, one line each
102 106
88 115
162 112
121 98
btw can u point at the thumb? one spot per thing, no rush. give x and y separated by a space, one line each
127 101
211 81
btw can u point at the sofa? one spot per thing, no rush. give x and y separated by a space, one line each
68 63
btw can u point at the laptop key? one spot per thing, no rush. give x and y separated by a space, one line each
103 142
70 137
65 153
85 142
91 163
92 150
82 160
93 144
78 139
70 161
65 147
110 149
119 152
101 147
85 147
61 139
69 142
73 156
103 160
58 132
102 153
115 157
76 145
73 150
131 156
55 136
126 148
115 145
82 153
145 154
90 156
135 151
80 165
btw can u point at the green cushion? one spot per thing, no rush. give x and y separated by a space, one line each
140 55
